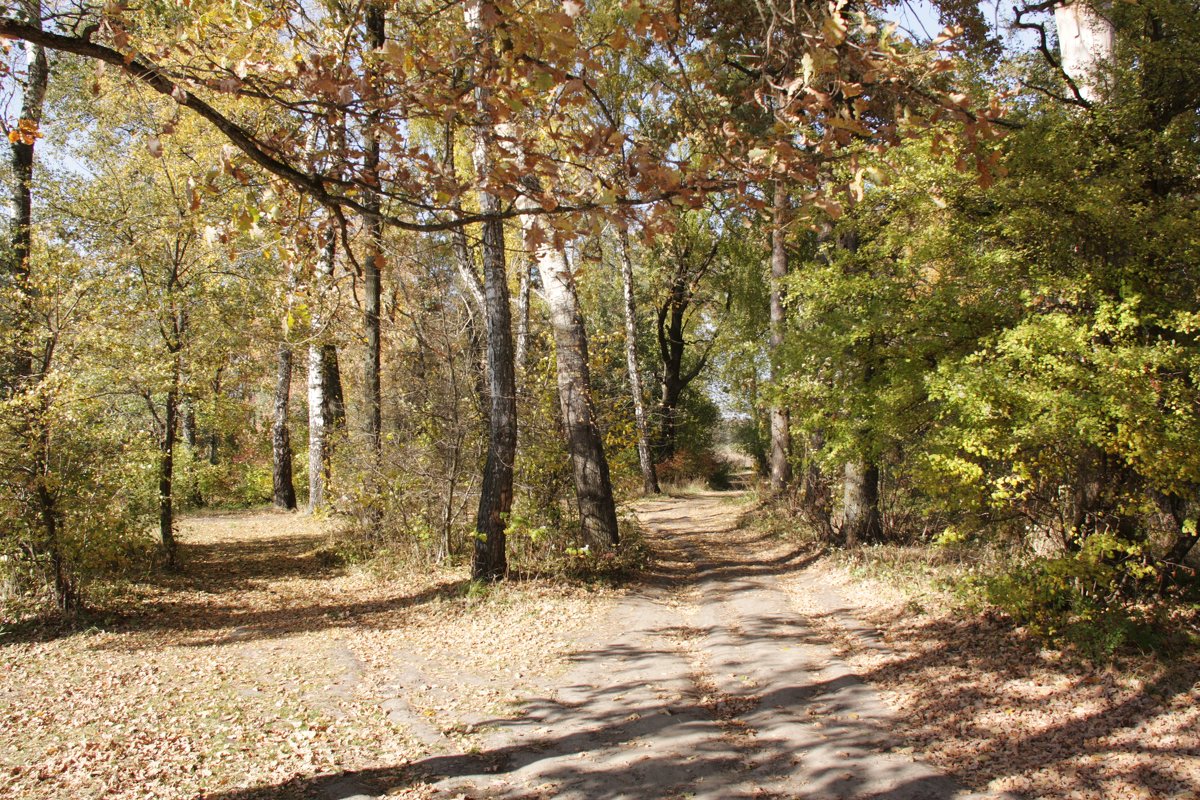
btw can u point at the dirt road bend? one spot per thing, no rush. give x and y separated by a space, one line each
704 683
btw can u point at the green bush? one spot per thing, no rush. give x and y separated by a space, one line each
1085 598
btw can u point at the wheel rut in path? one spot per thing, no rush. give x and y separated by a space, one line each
702 683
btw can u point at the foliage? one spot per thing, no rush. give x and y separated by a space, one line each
1082 599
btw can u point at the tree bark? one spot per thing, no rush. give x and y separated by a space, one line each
320 394
373 260
1086 42
24 370
670 329
489 561
593 486
166 476
649 474
21 150
861 523
781 437
523 314
670 349
477 319
281 439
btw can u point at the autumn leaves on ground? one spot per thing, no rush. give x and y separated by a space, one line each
737 664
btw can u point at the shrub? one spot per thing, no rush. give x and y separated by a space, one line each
1085 598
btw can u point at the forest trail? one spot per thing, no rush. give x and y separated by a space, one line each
264 670
705 682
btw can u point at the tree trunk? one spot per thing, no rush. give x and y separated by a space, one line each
670 349
320 392
781 437
816 496
593 486
373 260
166 476
214 441
477 321
523 315
21 224
672 319
1086 41
23 371
861 523
496 490
649 475
188 421
281 439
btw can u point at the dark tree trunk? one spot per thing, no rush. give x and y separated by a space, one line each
1187 533
188 422
670 349
21 150
489 561
649 474
781 437
861 523
281 439
166 477
23 370
495 493
816 496
374 260
335 399
670 328
214 441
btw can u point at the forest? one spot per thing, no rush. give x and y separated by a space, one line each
335 297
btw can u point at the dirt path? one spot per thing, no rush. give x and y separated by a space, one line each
704 684
264 670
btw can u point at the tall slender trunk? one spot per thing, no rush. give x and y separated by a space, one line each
593 486
21 151
649 475
187 421
670 351
523 314
214 441
489 561
166 475
468 275
319 394
281 438
374 260
24 371
781 437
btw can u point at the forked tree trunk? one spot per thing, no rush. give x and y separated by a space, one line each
496 490
281 438
649 474
781 437
593 486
